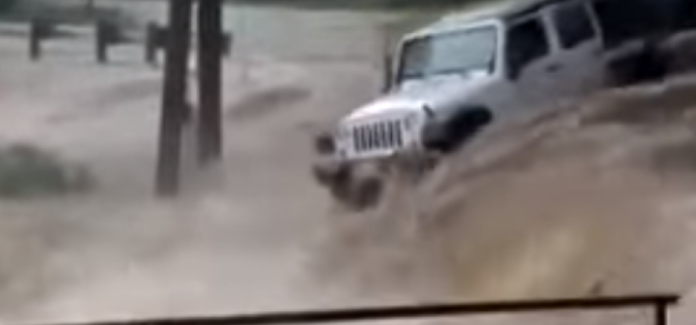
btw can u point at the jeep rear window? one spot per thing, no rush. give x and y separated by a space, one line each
460 52
573 24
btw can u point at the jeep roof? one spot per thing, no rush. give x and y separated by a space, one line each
502 10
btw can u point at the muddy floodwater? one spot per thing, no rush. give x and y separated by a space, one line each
237 240
290 33
240 237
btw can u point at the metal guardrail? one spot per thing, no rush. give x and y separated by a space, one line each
659 303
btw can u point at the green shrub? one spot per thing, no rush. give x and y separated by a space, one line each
27 171
7 5
23 11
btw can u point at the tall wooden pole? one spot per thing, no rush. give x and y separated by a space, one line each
173 97
210 53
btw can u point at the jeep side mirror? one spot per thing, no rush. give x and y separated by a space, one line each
387 73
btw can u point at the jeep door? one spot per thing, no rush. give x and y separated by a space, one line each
530 63
578 42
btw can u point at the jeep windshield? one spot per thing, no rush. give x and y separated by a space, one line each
461 52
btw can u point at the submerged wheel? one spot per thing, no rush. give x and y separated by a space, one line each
365 192
328 173
353 189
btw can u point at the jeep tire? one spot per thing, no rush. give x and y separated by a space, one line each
354 189
329 173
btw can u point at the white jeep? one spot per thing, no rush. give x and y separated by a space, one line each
459 76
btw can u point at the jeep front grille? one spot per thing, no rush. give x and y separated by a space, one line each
378 136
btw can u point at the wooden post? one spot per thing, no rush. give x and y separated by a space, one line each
38 30
661 313
89 7
102 41
173 97
210 53
152 43
108 34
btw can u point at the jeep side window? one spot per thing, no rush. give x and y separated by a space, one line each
526 42
573 24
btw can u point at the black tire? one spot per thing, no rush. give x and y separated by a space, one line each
331 174
352 190
365 192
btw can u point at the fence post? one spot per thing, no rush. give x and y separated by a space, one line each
661 313
102 41
38 30
152 43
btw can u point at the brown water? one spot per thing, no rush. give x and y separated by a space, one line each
285 32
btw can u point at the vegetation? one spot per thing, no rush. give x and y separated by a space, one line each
23 10
6 5
26 171
361 4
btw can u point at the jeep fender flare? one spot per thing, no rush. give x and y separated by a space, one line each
448 134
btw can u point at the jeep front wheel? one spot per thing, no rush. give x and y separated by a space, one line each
357 191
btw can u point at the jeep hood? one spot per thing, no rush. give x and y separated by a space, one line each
434 92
